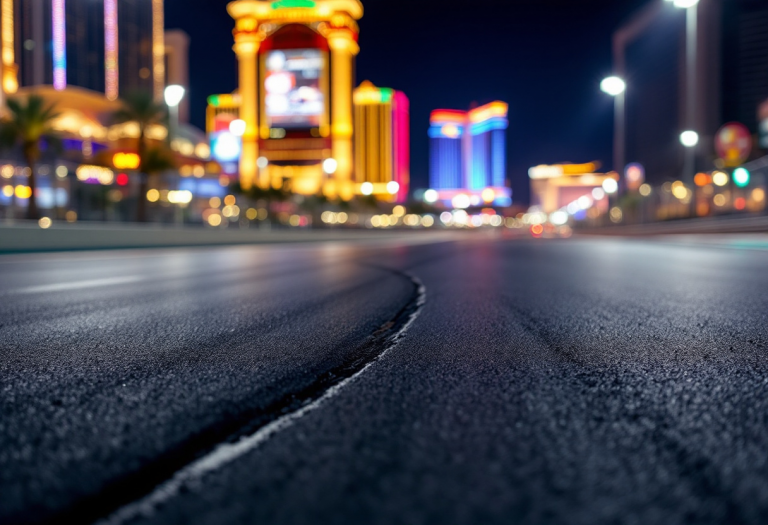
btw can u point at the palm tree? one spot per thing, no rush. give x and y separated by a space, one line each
142 109
26 125
157 160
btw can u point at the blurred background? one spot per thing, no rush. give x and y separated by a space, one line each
538 118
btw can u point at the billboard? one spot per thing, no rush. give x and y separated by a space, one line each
293 95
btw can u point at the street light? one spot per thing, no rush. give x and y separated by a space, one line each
689 139
173 97
613 86
684 4
617 87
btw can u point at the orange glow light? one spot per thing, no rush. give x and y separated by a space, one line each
740 203
702 179
489 111
448 116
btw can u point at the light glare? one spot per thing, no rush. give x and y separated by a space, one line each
610 186
689 138
330 166
613 86
237 127
174 94
431 196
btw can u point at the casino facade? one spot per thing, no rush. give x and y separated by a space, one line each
296 63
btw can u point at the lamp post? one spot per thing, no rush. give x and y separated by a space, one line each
690 138
174 94
617 88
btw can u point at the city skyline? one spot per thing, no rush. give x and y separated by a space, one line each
577 119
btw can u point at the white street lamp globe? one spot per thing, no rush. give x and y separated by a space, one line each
366 188
613 86
393 187
174 94
237 127
689 139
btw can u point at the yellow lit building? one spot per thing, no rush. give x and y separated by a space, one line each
554 187
382 145
296 62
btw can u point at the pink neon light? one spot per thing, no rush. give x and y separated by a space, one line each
402 143
110 48
59 45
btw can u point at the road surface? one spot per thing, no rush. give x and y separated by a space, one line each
479 380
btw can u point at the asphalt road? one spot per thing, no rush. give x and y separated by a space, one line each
581 381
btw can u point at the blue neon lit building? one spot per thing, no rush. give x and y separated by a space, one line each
468 154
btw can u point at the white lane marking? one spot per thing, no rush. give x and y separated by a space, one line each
227 452
77 285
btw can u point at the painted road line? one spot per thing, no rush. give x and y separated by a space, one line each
78 285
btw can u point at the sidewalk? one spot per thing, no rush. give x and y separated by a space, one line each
29 237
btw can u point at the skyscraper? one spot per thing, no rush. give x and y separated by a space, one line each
109 46
468 154
745 60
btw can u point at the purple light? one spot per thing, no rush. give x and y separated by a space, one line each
110 47
59 45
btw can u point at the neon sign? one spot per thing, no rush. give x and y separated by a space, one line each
59 46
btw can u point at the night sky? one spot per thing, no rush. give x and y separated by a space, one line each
544 57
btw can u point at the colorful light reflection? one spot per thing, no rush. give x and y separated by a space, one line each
110 48
59 45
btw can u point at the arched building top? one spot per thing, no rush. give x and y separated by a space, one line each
287 11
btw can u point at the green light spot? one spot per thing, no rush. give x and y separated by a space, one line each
741 177
287 4
387 95
213 100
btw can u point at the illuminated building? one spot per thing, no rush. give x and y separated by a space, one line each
10 81
226 148
107 46
382 142
296 63
554 187
468 155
